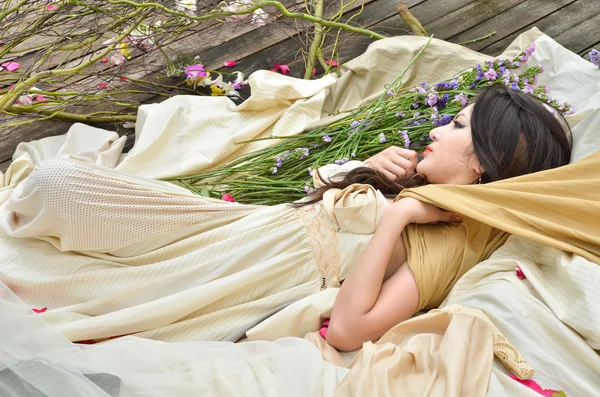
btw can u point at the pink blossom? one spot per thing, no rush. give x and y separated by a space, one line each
51 7
229 64
102 85
42 310
284 69
11 66
491 75
195 71
332 62
228 197
25 100
104 60
519 273
41 98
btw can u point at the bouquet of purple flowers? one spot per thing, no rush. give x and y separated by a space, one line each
401 116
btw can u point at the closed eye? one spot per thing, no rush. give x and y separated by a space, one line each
458 124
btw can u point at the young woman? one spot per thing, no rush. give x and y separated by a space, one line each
148 258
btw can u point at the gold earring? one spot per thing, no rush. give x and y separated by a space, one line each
478 181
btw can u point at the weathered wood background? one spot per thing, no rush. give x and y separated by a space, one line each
573 23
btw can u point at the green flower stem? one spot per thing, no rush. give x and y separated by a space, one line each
316 41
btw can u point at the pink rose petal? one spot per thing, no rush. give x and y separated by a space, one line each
520 274
229 64
332 62
314 71
228 197
285 69
42 310
123 78
11 66
101 86
40 98
51 7
104 60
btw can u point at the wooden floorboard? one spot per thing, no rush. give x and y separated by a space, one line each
553 25
510 21
573 23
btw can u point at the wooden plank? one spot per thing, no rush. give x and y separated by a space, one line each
469 16
286 51
565 19
509 21
582 36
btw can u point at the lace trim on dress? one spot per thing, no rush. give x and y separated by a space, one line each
508 355
323 241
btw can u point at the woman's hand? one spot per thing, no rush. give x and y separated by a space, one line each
414 211
394 162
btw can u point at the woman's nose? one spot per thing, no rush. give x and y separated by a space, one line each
434 134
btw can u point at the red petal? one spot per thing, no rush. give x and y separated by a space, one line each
284 69
314 71
273 70
229 64
51 7
332 62
101 86
42 310
520 274
228 197
123 79
104 60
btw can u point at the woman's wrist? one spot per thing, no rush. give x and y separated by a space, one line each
397 216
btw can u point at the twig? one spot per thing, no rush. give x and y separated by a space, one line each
487 36
316 42
410 20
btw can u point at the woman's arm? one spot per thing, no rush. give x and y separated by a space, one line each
367 306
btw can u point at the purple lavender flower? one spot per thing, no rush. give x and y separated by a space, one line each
491 75
472 86
355 123
390 93
278 162
523 58
342 161
417 114
501 61
382 138
462 98
447 85
416 105
480 75
431 99
445 119
310 171
405 138
529 50
400 115
352 154
275 169
434 113
527 89
418 122
305 152
421 90
308 190
327 138
595 57
443 101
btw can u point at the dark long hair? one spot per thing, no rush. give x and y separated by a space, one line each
513 134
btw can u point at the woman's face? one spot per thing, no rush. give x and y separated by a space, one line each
449 159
